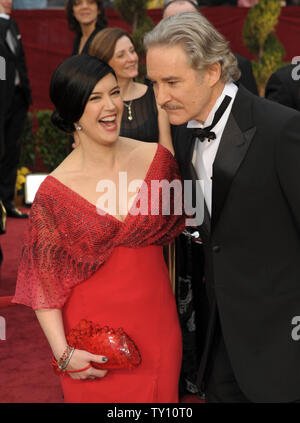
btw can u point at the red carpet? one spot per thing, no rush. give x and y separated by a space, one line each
25 372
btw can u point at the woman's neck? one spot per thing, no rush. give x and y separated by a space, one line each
127 88
86 30
91 156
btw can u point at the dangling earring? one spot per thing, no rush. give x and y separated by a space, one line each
78 128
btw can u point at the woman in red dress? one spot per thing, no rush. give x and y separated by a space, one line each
93 248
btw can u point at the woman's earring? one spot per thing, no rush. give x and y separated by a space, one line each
78 128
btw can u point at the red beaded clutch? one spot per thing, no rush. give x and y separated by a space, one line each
116 345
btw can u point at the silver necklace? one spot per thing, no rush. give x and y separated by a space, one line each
130 117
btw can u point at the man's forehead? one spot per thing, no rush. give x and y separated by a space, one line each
166 51
168 56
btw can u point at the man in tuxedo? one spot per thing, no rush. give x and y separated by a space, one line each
284 86
177 6
2 99
3 86
246 150
193 321
15 107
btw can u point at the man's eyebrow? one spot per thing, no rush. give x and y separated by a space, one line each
166 79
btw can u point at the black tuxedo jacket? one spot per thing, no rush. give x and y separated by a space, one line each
283 88
15 61
252 243
2 106
3 91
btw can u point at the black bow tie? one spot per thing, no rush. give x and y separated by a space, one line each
203 133
206 133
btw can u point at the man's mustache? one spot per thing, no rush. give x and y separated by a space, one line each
167 107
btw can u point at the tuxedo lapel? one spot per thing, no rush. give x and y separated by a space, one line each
185 149
233 148
12 37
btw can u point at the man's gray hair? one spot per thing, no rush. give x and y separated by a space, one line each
202 43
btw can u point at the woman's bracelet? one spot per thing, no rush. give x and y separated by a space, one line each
78 371
65 358
58 371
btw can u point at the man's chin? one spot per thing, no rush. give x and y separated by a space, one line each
177 116
177 120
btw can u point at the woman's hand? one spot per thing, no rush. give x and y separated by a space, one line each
82 359
52 324
165 137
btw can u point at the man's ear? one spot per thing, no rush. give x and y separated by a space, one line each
213 73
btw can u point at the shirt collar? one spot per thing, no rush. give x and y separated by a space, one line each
4 16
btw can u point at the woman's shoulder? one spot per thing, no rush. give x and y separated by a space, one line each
143 147
140 90
147 152
137 148
146 99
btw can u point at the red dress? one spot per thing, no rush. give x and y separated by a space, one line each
113 273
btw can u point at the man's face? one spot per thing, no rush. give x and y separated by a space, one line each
185 94
6 6
175 8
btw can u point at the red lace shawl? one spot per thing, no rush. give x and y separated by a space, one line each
66 240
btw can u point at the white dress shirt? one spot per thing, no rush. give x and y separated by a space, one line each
205 152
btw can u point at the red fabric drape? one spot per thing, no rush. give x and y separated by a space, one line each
47 39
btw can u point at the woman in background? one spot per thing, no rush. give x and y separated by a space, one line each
86 18
142 119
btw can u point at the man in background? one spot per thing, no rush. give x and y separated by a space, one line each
284 86
2 104
15 107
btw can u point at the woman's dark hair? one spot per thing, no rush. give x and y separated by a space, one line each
71 86
74 24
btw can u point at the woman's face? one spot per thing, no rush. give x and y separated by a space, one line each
125 59
102 115
85 11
